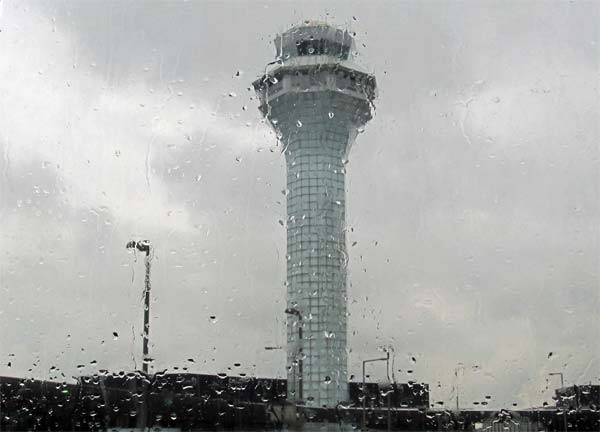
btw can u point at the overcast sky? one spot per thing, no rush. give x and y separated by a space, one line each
473 194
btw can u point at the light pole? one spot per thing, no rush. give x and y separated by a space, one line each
364 402
458 367
562 386
144 246
296 312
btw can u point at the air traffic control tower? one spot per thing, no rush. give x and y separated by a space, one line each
317 101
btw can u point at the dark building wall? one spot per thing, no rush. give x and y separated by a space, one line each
578 397
209 402
401 395
186 401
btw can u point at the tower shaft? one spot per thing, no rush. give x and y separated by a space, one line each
317 131
316 245
317 106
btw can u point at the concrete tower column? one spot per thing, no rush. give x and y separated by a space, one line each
317 101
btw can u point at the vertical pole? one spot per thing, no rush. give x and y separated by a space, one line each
389 401
364 401
146 334
300 353
145 337
142 414
562 386
389 417
456 375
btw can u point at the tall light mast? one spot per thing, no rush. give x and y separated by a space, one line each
144 246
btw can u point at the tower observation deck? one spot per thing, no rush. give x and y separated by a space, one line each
317 101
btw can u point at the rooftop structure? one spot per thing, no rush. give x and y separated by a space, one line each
317 101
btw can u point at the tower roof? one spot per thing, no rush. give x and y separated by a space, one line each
314 38
314 57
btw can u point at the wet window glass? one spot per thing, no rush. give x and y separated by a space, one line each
267 215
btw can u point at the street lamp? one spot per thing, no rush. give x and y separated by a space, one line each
562 386
364 402
458 367
296 312
562 380
144 246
